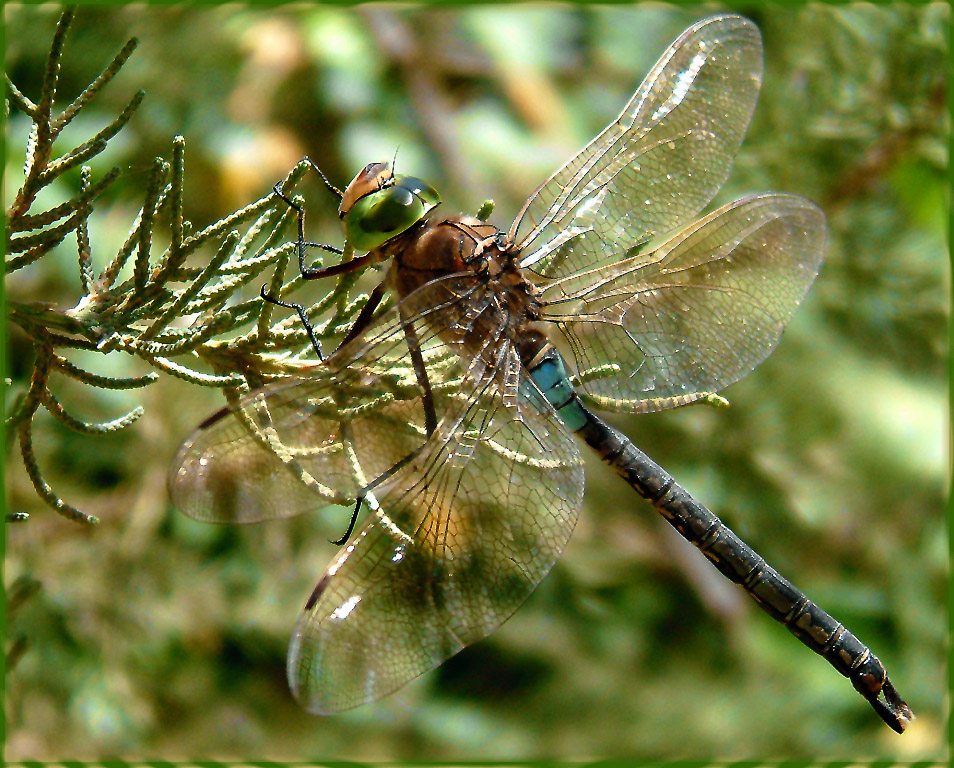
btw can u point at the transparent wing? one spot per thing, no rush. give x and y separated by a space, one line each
464 535
288 448
658 164
464 524
302 443
698 312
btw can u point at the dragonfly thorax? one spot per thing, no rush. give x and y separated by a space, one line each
455 245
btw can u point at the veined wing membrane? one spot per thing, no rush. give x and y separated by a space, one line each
658 164
700 311
302 443
462 531
465 531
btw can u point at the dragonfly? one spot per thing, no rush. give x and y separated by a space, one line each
455 418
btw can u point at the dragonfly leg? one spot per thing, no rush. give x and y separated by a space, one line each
301 242
420 372
324 178
315 273
354 519
312 273
301 315
366 493
363 320
427 400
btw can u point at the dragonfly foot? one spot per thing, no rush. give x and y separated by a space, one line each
354 519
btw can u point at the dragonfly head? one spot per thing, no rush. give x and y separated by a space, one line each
377 205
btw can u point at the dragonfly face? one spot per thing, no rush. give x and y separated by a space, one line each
452 415
378 206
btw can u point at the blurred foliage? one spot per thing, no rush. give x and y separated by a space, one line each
162 308
154 636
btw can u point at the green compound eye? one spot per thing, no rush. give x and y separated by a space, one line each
386 213
419 189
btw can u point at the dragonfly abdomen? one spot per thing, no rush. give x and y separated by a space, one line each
735 559
739 562
548 372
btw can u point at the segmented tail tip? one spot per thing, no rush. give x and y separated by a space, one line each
893 710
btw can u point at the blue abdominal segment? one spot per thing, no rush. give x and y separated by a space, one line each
551 377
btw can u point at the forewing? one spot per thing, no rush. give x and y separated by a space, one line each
698 312
464 533
463 523
302 443
658 164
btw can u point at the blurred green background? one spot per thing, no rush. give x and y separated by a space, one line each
154 636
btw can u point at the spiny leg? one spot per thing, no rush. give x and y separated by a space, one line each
365 493
420 373
314 273
359 326
430 418
301 315
363 320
